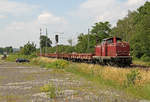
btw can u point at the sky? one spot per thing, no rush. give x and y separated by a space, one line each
21 20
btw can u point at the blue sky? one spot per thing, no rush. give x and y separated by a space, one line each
59 7
22 19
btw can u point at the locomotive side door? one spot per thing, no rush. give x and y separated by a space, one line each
104 48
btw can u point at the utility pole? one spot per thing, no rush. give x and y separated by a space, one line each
88 40
46 42
40 42
57 40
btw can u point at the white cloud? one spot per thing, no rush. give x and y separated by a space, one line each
18 30
18 33
134 2
16 26
3 16
14 32
90 4
15 8
92 11
47 18
106 10
54 24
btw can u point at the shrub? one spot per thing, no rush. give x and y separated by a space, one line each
131 78
60 64
13 57
145 58
28 49
50 90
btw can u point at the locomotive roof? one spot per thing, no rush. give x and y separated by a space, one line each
110 38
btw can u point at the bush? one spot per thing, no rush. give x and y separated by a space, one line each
132 77
13 57
28 49
50 63
50 89
60 64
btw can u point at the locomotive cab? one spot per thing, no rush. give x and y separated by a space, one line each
113 50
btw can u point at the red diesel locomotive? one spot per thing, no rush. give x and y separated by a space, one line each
112 51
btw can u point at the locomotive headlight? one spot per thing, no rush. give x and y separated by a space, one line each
123 45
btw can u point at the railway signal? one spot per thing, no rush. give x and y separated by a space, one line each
56 38
40 42
46 41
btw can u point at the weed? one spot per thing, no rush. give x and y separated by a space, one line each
142 63
13 57
50 63
60 64
50 90
131 78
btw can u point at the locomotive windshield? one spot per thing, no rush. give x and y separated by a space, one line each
109 41
118 40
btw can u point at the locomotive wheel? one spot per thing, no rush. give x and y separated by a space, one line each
123 64
111 63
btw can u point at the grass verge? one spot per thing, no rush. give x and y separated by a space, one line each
13 57
142 63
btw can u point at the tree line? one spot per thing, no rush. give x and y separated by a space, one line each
6 50
135 28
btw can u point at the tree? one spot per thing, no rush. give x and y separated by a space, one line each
82 44
8 49
101 30
135 28
61 49
45 41
87 42
1 50
28 48
70 42
126 27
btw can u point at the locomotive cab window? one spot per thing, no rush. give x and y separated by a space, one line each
118 40
103 42
109 41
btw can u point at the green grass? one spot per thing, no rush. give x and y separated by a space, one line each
142 63
13 57
51 90
98 79
141 92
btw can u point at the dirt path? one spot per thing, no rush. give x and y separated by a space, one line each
19 83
